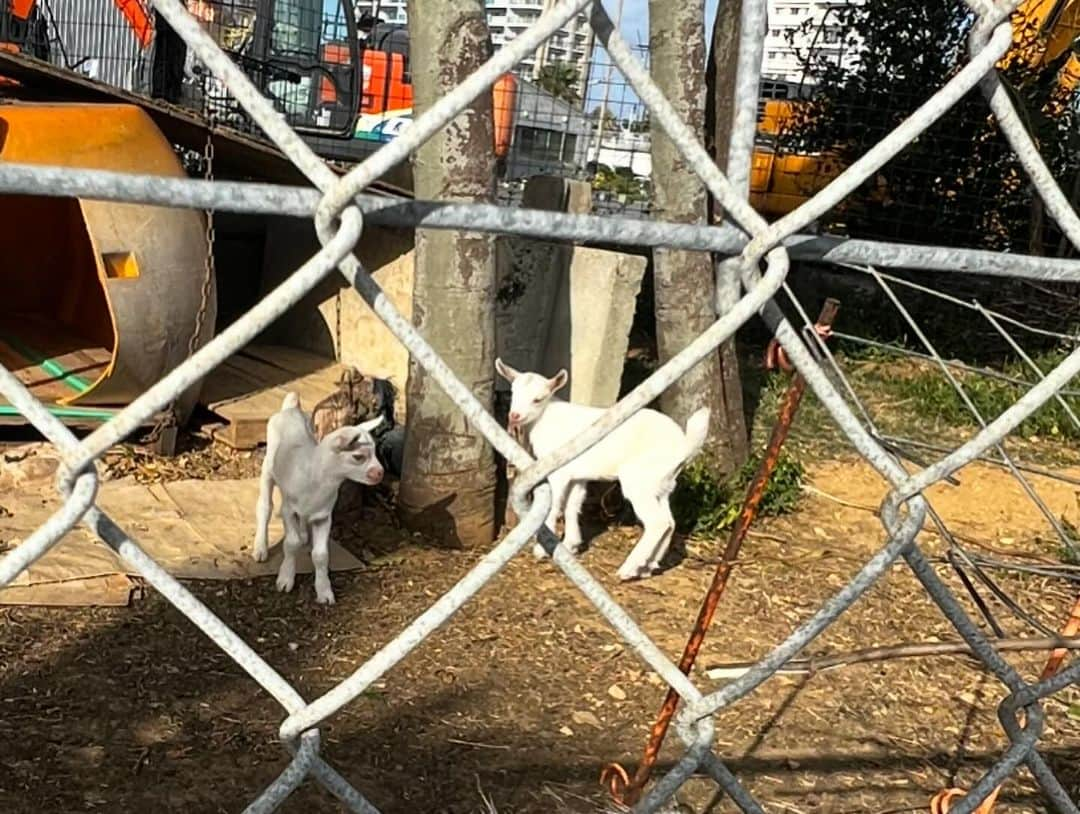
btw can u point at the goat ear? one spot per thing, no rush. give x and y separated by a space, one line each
505 370
341 439
558 382
368 426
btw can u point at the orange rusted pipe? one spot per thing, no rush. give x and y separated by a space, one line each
624 789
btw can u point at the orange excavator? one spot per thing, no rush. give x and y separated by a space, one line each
343 92
387 96
1043 32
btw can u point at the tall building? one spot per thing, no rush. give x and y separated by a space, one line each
507 19
802 26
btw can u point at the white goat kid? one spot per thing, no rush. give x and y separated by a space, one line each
644 454
308 473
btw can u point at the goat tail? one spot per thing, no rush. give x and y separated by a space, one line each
697 430
291 400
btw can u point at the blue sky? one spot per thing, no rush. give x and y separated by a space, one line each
635 30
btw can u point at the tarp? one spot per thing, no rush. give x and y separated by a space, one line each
195 529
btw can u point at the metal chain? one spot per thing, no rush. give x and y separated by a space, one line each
209 268
169 418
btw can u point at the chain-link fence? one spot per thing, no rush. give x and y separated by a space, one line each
892 354
758 254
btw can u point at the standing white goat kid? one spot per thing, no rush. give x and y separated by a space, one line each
308 473
644 454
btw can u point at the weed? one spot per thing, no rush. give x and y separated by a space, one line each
705 503
928 394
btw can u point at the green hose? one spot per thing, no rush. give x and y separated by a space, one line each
50 366
57 371
64 412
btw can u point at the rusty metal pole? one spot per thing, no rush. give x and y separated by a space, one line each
624 789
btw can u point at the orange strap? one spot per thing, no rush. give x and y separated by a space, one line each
942 801
137 17
22 8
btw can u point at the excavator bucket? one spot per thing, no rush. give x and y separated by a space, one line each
101 298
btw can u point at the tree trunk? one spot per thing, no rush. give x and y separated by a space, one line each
448 486
720 75
683 281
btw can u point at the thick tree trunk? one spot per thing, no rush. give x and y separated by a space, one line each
684 281
448 486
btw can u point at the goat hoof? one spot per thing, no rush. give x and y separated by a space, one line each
285 583
324 598
539 552
261 554
630 574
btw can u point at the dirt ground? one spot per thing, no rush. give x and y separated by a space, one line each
526 694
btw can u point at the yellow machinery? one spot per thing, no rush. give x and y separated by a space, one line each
100 299
1043 30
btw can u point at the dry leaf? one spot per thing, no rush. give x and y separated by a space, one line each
584 717
617 692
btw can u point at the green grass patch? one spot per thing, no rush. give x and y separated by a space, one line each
705 503
926 393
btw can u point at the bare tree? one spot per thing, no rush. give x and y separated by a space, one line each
448 486
683 280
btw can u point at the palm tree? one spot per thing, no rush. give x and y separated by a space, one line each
560 79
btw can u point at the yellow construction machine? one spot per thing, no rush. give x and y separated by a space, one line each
1043 31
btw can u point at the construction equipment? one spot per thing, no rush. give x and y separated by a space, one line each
1043 32
302 54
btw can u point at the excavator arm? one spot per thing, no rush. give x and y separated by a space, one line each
1044 31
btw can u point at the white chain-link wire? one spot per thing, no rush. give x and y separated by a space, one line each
339 208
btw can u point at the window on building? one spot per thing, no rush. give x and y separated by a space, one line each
569 148
774 90
541 145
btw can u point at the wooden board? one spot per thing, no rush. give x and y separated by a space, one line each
111 590
249 387
25 342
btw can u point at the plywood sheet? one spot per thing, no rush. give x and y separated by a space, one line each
194 529
52 362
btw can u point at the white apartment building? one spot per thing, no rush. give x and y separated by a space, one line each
506 20
787 16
